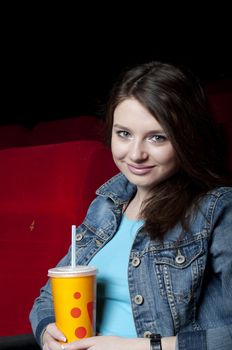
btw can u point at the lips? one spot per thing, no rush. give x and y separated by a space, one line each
139 170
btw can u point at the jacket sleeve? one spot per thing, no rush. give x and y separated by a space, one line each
218 334
42 312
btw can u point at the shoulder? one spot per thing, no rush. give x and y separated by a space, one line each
213 207
221 192
218 205
219 197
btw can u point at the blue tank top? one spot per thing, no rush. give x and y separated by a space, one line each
114 312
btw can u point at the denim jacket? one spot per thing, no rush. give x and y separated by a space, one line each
179 287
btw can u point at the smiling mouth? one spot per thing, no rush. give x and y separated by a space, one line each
139 170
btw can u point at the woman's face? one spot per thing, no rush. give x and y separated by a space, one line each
140 147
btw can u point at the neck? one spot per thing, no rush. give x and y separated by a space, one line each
133 208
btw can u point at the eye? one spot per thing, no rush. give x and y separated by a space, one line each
123 133
158 138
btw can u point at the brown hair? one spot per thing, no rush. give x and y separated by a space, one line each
175 97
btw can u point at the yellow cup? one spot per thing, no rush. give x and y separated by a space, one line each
74 297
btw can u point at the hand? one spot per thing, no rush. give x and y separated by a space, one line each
109 343
52 338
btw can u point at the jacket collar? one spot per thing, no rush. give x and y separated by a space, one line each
118 188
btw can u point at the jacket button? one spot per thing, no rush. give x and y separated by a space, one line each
79 237
135 262
180 259
147 334
138 299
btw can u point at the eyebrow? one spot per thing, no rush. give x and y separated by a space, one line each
120 127
160 131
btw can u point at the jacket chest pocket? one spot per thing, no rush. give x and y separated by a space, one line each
87 243
180 271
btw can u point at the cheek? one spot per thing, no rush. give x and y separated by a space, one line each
118 150
118 153
166 157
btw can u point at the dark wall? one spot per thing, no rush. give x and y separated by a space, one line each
51 68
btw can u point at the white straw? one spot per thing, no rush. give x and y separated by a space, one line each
73 245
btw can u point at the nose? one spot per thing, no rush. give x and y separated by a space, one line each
138 152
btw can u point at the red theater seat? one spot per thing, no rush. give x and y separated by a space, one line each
43 191
68 129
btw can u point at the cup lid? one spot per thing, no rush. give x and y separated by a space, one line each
69 271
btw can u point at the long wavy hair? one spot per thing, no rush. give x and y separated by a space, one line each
176 99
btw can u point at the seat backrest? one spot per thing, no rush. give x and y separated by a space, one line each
43 191
67 129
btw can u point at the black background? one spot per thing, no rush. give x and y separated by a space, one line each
61 62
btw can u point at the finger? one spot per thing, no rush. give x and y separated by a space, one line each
53 346
46 347
83 344
54 331
51 343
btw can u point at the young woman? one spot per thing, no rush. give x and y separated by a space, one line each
164 254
